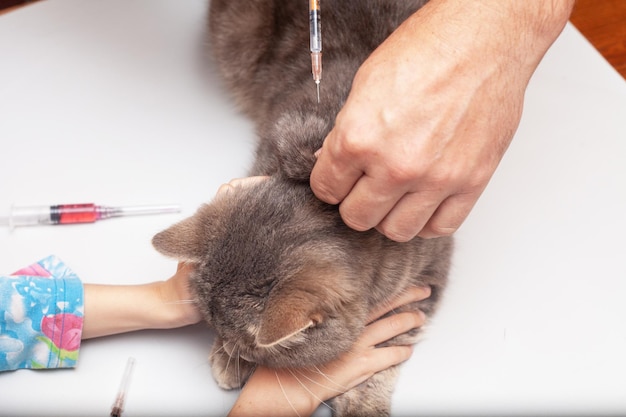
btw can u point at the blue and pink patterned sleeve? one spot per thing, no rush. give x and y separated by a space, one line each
41 316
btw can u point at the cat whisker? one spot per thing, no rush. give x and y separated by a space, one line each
227 362
212 355
285 345
181 302
338 388
285 395
271 350
238 368
308 390
254 366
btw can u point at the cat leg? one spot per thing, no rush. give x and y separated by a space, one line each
230 372
372 398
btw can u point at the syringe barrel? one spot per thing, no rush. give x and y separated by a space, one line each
55 214
315 26
28 216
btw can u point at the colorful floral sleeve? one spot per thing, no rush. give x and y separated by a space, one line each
41 316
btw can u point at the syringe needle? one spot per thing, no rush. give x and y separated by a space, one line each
318 92
315 32
120 399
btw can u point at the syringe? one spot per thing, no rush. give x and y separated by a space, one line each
76 213
315 42
120 399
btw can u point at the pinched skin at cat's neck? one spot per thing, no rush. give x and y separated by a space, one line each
281 278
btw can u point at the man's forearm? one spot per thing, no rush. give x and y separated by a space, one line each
518 32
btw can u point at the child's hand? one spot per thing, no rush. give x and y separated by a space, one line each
365 359
177 300
267 390
112 309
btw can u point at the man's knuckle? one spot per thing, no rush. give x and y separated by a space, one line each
353 220
440 230
404 171
397 235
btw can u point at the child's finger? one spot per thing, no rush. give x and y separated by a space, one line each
389 327
412 294
381 359
240 182
393 355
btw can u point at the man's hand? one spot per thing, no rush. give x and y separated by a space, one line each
431 113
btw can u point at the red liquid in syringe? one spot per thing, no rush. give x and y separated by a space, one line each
74 213
77 213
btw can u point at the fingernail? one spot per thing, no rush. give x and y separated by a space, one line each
422 315
426 290
318 153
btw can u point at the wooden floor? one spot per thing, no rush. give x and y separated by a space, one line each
602 22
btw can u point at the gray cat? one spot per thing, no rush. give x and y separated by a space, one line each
278 275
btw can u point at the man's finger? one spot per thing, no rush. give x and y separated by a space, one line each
333 177
368 203
409 216
449 216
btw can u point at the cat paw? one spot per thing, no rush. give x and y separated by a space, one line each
370 399
229 372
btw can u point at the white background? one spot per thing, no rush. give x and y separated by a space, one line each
114 102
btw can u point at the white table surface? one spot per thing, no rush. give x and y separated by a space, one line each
112 102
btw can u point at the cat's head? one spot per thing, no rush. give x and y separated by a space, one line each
274 273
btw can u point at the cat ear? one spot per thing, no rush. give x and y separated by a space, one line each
286 315
182 241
